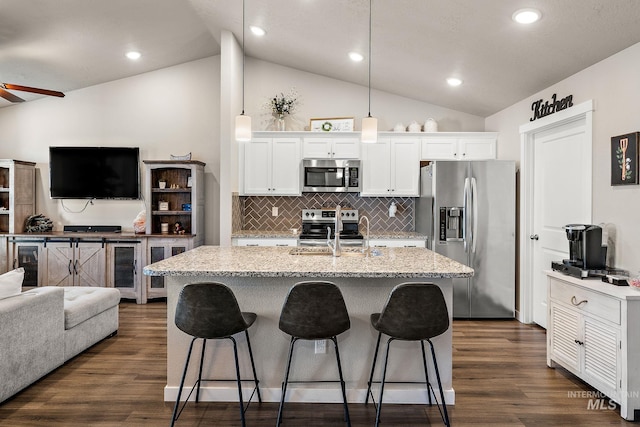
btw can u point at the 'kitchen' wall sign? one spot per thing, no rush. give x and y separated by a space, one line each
541 110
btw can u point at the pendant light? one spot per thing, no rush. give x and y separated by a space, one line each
243 122
369 124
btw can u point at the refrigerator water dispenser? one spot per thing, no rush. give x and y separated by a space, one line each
451 224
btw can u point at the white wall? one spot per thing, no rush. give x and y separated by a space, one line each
325 97
614 85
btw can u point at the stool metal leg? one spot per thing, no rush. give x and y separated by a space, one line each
373 367
342 384
426 373
235 355
384 375
253 366
175 415
204 344
286 379
444 405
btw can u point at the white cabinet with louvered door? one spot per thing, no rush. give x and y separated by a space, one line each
592 332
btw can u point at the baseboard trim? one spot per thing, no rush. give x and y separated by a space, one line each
393 393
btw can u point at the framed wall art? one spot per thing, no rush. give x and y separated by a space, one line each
624 159
335 124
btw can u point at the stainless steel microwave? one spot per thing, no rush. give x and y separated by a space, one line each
331 176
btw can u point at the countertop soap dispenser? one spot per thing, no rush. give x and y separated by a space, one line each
392 210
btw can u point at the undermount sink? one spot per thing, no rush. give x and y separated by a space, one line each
326 251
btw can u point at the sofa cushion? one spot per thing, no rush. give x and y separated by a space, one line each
11 283
83 302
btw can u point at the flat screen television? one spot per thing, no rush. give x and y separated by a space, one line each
94 173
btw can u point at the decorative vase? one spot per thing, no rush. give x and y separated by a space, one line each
280 126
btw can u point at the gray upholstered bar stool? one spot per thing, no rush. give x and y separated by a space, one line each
413 312
314 311
210 311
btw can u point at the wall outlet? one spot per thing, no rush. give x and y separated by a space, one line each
274 211
321 346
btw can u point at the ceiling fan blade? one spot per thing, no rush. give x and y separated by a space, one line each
33 90
9 96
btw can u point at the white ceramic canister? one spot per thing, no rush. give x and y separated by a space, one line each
399 127
414 127
430 125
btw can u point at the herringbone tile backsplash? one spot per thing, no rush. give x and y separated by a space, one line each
254 212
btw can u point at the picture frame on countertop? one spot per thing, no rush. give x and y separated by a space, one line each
624 159
332 124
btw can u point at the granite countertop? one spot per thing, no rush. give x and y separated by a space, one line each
278 262
276 234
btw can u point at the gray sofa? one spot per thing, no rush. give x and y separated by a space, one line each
42 328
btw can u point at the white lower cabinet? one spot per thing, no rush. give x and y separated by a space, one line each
592 332
397 243
264 241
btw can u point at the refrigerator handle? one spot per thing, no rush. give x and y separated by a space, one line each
465 213
474 207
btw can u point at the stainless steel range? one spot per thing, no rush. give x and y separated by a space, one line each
316 221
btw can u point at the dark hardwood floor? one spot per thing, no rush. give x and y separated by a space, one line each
499 368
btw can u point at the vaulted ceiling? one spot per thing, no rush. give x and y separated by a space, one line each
416 44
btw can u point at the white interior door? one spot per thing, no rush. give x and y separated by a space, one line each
556 191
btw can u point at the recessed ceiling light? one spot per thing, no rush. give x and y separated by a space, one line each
133 55
355 56
257 31
453 81
526 16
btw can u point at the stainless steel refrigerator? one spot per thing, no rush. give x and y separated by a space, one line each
468 209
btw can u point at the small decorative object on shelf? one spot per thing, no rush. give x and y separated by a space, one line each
163 206
178 228
335 124
281 106
430 125
38 224
184 157
162 184
414 127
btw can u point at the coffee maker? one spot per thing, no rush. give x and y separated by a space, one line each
587 254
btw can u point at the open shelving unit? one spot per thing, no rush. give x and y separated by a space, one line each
17 194
182 197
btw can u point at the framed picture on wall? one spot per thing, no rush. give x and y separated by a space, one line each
624 159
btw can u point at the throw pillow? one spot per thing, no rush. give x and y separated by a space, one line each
11 283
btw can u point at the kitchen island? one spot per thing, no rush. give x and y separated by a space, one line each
260 277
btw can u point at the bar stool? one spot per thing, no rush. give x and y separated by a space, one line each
413 312
312 311
210 311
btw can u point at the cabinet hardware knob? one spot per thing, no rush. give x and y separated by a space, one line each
575 302
534 237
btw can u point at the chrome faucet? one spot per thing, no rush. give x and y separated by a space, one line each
365 248
337 228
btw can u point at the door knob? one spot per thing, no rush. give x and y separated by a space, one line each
534 237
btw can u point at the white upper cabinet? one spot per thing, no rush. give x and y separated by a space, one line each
272 167
455 146
329 147
391 167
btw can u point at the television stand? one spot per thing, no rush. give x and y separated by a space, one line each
93 228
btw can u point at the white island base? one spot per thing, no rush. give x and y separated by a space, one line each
258 291
265 297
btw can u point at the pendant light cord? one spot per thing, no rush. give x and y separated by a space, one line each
243 13
369 58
